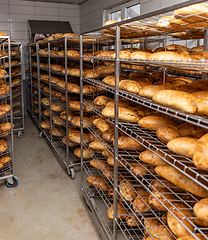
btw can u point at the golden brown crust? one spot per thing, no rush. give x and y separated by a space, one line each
98 182
97 145
120 211
3 145
138 169
102 124
183 145
87 153
127 143
75 136
56 107
180 180
102 100
201 209
167 132
70 143
151 158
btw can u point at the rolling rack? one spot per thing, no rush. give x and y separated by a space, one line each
133 223
7 138
17 86
41 82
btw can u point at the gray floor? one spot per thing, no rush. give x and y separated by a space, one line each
46 205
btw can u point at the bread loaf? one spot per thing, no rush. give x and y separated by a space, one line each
198 236
183 145
87 153
100 164
108 136
57 132
56 107
127 143
70 143
176 99
157 230
121 211
132 221
138 169
102 100
98 182
167 132
98 145
201 209
180 180
130 86
123 114
149 91
151 158
75 136
180 210
190 130
153 122
45 125
127 191
200 159
102 124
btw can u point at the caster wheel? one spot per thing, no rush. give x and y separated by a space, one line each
42 135
71 173
19 134
14 184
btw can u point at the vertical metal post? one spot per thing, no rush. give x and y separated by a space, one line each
22 92
81 103
39 93
116 96
205 48
11 110
50 101
66 94
31 88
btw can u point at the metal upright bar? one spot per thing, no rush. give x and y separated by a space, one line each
39 93
81 104
205 48
116 97
50 100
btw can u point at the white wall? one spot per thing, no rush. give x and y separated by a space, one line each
91 11
14 16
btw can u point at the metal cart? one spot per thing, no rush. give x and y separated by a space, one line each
134 221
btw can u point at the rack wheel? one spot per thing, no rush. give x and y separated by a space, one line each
42 135
14 184
19 134
71 173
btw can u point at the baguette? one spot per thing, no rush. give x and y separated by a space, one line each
97 145
149 91
179 179
98 182
102 124
183 145
167 132
87 154
201 209
151 158
176 99
190 130
127 143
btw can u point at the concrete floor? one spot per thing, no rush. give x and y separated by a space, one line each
46 205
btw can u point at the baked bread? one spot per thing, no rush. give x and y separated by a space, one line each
140 55
3 146
45 101
89 89
127 191
149 91
75 136
102 124
140 204
108 136
70 143
132 220
201 209
127 143
57 120
176 47
102 100
167 132
57 132
190 130
5 127
190 237
100 164
121 211
183 145
200 159
179 179
138 169
56 107
70 115
87 153
98 145
176 99
151 158
152 122
3 160
184 218
71 87
123 114
5 108
98 182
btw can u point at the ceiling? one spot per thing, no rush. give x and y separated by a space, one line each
77 2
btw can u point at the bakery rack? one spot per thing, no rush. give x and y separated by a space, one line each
121 35
7 170
17 87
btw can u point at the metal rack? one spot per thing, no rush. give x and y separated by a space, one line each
7 168
17 89
37 83
143 28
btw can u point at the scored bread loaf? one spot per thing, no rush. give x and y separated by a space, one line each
87 153
102 100
149 91
176 99
98 145
127 190
179 179
183 145
102 124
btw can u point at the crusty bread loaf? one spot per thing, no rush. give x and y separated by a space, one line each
127 191
167 132
123 114
57 132
140 55
87 153
102 124
132 221
183 145
190 130
201 209
176 99
176 47
98 145
149 91
127 143
98 182
70 143
121 211
100 164
200 157
140 204
108 136
198 236
45 125
151 158
75 136
180 180
130 86
102 100
153 122
181 211
138 169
